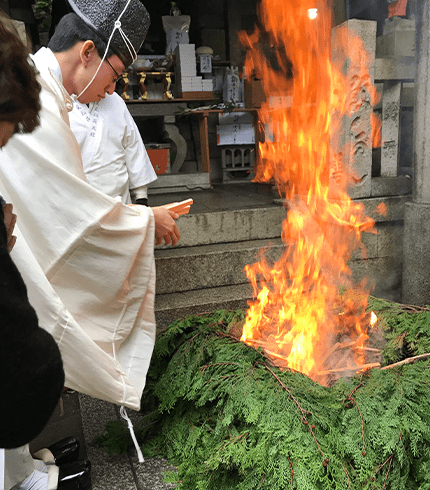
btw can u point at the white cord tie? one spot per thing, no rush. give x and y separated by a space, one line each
133 435
127 42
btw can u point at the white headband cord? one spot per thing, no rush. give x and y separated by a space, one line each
127 42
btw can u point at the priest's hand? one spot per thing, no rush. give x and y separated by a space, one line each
165 226
9 221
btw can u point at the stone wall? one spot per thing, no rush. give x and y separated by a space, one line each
382 267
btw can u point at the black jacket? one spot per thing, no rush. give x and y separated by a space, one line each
31 369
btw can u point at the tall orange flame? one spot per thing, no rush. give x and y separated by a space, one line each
297 312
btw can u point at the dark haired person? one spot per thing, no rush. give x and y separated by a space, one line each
87 259
114 157
19 89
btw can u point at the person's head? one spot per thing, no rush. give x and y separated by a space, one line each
107 34
80 51
19 88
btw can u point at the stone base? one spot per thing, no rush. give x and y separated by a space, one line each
416 254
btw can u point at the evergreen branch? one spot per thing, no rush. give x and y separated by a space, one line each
245 432
411 308
389 467
354 390
347 476
203 368
292 472
362 424
192 426
383 464
304 412
409 360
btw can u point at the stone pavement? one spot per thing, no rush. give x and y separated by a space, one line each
122 472
85 418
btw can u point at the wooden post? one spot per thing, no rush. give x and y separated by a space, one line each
204 141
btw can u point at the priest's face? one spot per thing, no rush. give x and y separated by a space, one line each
7 129
101 77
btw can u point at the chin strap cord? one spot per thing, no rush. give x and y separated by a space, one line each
133 435
127 42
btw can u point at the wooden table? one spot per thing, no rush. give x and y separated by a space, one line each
168 110
204 137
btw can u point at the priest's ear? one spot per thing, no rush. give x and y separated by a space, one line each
88 51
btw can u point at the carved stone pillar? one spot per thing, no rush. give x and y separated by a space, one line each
416 247
356 133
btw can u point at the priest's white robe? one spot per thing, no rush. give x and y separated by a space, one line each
113 154
87 259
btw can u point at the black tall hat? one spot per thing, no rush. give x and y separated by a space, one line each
103 16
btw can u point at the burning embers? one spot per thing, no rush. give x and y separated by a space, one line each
299 316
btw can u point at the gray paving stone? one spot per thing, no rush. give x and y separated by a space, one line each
107 472
149 474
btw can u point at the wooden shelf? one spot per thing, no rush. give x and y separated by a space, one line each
166 101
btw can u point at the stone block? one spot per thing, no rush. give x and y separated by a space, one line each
416 253
355 137
383 275
231 226
170 307
209 266
398 38
408 95
390 240
370 242
395 68
391 186
395 208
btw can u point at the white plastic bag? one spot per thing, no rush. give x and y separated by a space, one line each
176 28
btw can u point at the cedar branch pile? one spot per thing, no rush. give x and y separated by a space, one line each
229 419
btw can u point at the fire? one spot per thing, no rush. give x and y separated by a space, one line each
298 313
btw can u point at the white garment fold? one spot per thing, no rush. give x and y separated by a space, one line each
87 259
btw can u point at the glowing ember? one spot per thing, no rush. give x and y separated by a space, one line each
298 314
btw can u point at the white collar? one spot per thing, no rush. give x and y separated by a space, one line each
49 69
47 58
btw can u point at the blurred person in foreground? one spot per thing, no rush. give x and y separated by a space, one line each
87 259
31 369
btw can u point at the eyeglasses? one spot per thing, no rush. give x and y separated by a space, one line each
118 77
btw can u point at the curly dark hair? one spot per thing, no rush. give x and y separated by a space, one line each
19 88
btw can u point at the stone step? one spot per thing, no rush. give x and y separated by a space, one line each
230 226
209 266
173 306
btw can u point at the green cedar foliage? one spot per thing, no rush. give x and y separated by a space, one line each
228 419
